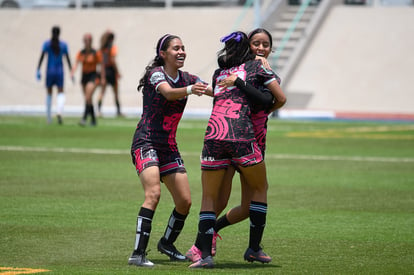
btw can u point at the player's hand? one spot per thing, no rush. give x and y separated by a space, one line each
38 75
227 82
264 62
199 88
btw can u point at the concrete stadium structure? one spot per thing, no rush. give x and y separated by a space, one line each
360 63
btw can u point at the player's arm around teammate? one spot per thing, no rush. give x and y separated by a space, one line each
266 100
230 139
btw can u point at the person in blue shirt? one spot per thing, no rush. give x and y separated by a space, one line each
55 50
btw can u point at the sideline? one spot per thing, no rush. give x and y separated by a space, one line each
268 156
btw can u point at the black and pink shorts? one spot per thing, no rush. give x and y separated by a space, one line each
169 161
218 154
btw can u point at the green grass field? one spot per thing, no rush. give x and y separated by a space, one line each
341 199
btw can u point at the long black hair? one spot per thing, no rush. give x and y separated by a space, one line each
162 45
107 39
55 45
236 50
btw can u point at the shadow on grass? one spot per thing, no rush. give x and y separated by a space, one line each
220 264
239 265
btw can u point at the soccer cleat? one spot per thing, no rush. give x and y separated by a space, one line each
214 243
203 263
193 254
82 123
258 256
171 251
139 260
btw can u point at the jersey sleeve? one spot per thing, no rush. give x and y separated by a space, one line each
278 79
79 56
195 79
114 51
45 46
64 48
266 75
156 78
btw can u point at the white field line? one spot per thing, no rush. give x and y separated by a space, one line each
339 158
268 156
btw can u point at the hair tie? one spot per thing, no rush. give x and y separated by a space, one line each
162 43
234 35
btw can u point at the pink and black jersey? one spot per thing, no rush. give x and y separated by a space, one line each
230 119
160 117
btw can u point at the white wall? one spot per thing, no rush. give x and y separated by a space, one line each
361 61
137 31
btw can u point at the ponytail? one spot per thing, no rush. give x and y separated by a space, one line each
55 45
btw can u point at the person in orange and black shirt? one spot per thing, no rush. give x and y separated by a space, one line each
90 60
108 53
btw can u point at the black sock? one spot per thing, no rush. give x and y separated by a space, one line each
92 113
205 232
257 213
143 230
85 113
221 223
174 227
118 107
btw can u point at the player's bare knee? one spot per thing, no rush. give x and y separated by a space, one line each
184 206
153 196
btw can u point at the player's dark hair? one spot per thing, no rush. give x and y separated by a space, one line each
236 50
54 43
261 30
162 45
107 40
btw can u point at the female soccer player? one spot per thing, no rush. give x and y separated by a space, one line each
108 53
230 140
261 45
154 149
262 101
55 50
90 78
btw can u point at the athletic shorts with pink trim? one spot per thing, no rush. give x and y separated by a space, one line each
169 161
219 154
